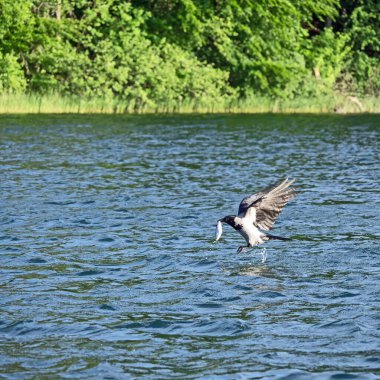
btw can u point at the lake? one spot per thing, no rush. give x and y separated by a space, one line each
109 268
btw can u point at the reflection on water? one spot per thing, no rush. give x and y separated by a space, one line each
256 271
108 266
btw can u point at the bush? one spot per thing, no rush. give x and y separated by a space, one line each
11 74
327 58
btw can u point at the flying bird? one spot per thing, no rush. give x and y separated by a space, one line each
259 212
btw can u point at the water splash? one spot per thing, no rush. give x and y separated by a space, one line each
263 254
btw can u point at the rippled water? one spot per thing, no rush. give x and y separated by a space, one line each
109 269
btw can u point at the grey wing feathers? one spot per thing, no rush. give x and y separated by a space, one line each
247 202
268 203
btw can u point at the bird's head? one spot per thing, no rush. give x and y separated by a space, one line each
219 229
230 219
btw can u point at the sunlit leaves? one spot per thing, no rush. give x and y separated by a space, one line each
151 52
11 75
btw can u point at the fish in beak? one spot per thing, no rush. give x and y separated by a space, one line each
218 230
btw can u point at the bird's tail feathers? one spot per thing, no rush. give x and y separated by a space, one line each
274 237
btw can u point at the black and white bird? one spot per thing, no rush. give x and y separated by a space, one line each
259 212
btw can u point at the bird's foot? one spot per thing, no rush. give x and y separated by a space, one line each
241 249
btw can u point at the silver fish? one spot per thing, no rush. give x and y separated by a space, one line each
218 231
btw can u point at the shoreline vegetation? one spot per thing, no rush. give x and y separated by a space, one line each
189 56
57 104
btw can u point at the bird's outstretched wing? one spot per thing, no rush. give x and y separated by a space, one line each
268 203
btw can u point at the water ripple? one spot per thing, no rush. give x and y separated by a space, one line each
109 269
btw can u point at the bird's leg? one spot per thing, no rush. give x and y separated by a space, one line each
242 248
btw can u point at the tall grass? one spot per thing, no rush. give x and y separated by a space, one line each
56 104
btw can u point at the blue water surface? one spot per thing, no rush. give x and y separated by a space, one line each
109 269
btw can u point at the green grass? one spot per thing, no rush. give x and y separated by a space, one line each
56 104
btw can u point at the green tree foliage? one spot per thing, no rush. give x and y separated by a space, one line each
11 74
327 55
259 42
17 24
363 30
172 51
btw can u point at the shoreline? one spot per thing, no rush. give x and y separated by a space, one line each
57 104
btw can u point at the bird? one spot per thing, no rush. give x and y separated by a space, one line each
259 212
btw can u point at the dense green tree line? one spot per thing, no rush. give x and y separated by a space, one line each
157 51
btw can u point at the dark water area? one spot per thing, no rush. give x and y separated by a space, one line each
109 267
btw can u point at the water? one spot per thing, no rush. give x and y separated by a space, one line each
109 269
